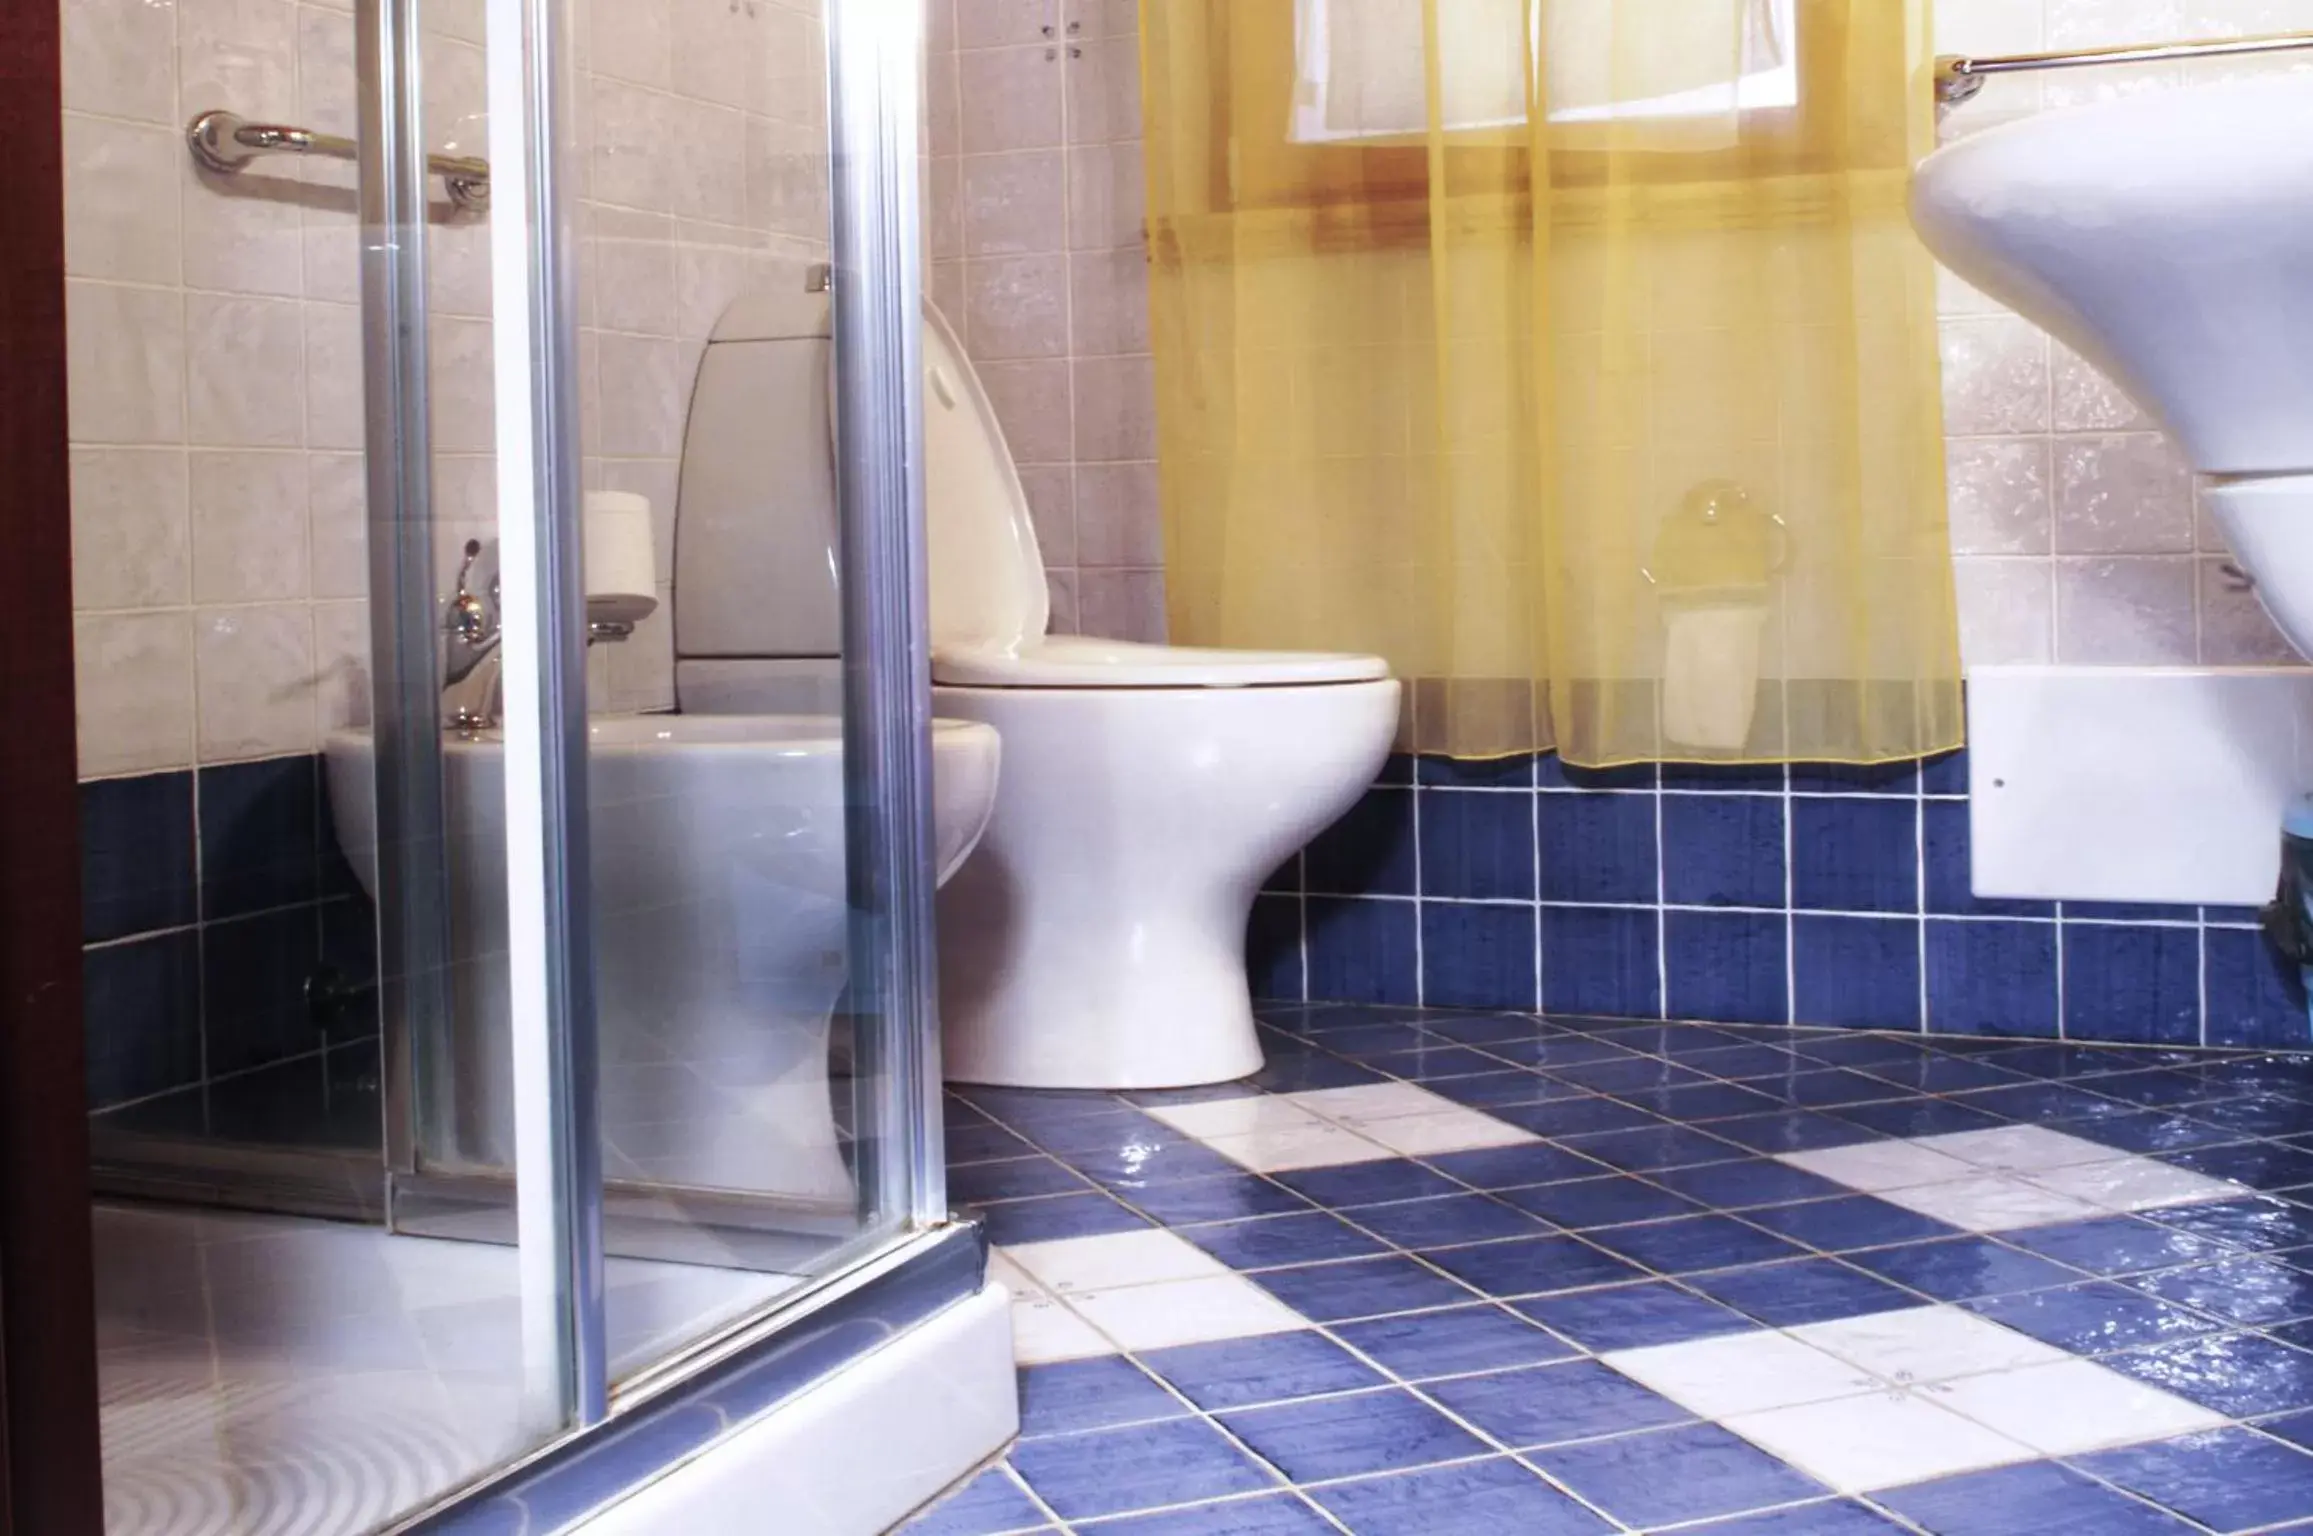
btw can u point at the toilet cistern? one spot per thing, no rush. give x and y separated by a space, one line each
2168 238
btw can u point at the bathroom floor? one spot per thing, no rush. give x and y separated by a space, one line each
1462 1274
280 1376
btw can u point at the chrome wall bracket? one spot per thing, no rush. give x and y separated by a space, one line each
225 142
1959 77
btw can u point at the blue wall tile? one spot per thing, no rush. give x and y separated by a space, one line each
136 855
1477 845
2255 998
1600 960
1853 779
1477 956
1946 836
1598 848
253 974
1728 967
1369 852
1362 951
1860 971
1945 775
143 1012
1722 851
1725 778
1273 949
1855 855
259 828
1483 773
1552 772
2137 984
1991 978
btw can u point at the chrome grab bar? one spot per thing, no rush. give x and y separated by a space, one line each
226 141
1959 77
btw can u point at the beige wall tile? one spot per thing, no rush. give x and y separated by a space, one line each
120 59
2126 611
120 200
1008 98
244 372
251 527
255 681
126 367
130 542
133 675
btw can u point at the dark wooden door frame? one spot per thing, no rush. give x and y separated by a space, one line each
51 1478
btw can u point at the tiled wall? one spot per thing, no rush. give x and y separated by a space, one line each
2077 528
1035 205
208 900
1767 896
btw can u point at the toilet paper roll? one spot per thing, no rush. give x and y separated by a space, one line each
619 559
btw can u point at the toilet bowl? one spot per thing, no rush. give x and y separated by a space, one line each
1096 939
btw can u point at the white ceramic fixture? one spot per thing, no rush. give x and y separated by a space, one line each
2168 238
718 873
1097 938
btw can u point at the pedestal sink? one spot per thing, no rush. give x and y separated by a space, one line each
719 923
2168 238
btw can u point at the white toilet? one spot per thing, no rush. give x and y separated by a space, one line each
1096 939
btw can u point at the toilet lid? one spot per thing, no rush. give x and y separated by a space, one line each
987 575
1072 661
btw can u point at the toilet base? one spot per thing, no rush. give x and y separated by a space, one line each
2268 523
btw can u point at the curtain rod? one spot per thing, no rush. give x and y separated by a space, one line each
1958 77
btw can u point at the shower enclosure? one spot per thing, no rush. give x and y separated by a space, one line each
575 1105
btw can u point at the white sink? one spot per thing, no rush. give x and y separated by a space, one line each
2168 238
719 921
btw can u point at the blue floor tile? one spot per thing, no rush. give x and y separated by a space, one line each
2038 1498
2115 1245
1480 1498
2258 1225
1322 1438
1795 1130
2093 1318
1830 1518
1056 1216
1963 1268
1536 1266
983 1141
1018 1178
1849 1223
1671 1476
1919 1117
1270 1242
1505 1086
1271 1368
1578 1116
1634 1316
1649 1148
1143 1466
1579 1204
1693 1244
2296 1428
1223 1199
1809 1291
1553 1404
986 1506
2253 1290
1743 1060
2228 1479
1354 1184
1074 1395
1752 1182
1275 1514
2237 1374
1447 1219
1831 1088
2258 1164
1455 1342
1330 1293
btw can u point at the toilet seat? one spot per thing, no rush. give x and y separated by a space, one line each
1072 661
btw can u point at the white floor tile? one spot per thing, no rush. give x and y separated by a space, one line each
1045 1330
1991 1202
2017 1148
1320 1145
1368 1102
2136 1184
1252 1115
1927 1344
1186 1312
1859 1444
2072 1407
1114 1260
1874 1166
1742 1373
1451 1130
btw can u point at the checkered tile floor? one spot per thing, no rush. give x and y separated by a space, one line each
1450 1274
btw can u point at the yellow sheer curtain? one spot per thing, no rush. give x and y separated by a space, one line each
1575 355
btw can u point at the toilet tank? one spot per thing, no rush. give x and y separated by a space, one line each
755 516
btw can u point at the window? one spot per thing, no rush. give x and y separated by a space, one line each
1364 74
